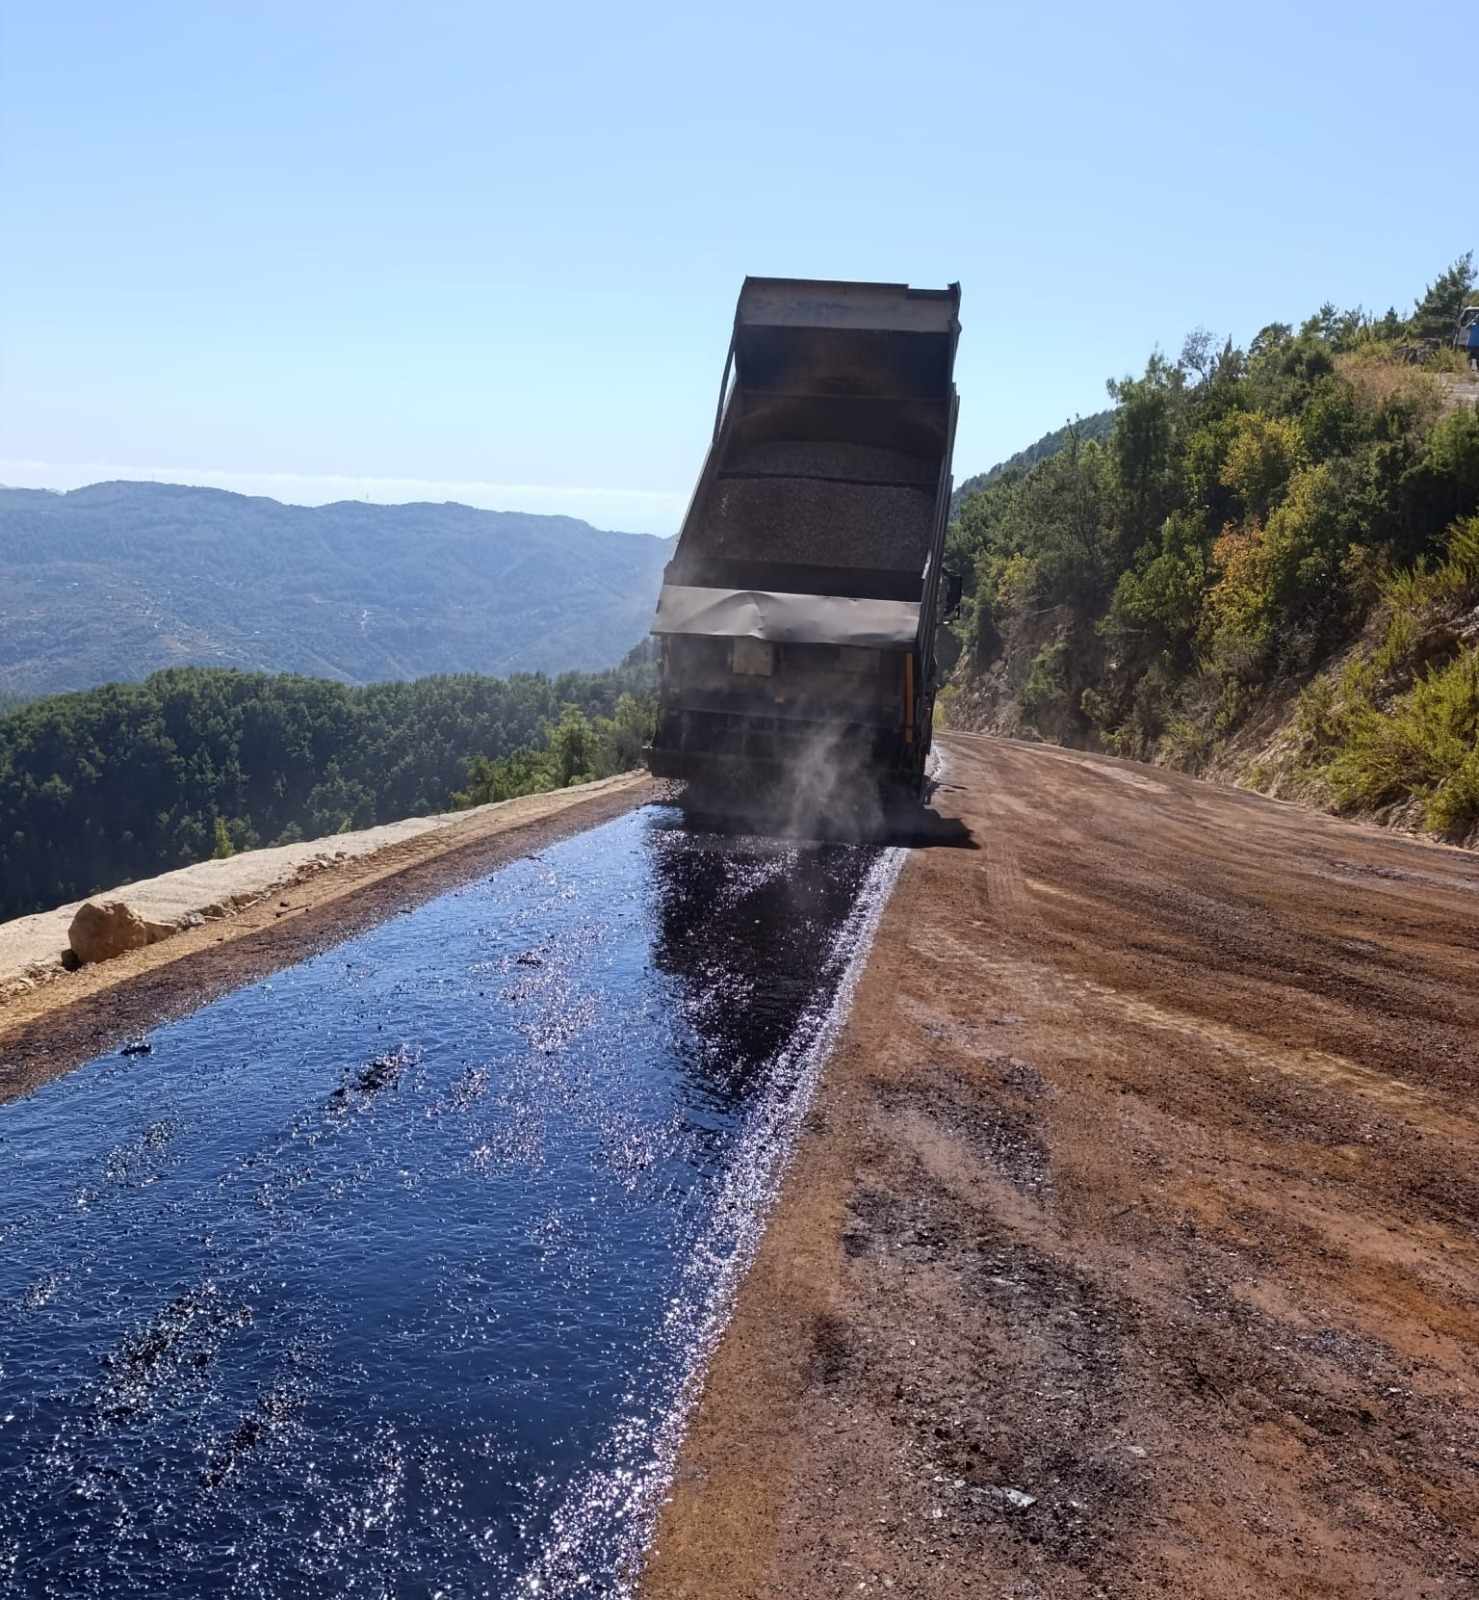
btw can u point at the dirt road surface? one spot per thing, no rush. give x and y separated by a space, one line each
1131 1247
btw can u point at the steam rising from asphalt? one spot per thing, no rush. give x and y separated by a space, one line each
829 789
835 794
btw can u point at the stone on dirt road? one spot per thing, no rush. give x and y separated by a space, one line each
103 929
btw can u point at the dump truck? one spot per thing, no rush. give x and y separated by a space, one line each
798 616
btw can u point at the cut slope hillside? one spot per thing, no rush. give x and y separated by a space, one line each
1269 568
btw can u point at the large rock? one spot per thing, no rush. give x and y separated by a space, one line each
103 929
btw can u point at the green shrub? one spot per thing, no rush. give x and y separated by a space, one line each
1398 642
1262 456
1316 713
1453 807
1047 679
1417 595
1422 747
1186 743
1458 577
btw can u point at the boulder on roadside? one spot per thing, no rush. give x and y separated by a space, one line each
103 929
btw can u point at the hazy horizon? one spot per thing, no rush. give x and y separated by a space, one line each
332 489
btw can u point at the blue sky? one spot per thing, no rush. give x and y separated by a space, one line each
490 253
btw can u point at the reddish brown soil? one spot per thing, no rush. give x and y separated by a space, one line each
1142 1184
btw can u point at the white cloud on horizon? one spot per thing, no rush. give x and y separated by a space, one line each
656 511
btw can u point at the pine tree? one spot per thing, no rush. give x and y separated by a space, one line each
1437 312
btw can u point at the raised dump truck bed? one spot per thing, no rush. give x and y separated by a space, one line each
798 613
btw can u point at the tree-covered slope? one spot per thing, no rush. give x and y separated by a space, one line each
119 580
1082 430
113 784
1274 543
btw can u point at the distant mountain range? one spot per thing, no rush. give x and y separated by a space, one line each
120 579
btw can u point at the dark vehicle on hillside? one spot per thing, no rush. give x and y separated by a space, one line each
798 616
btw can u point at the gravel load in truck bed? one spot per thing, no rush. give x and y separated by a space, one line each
826 458
817 522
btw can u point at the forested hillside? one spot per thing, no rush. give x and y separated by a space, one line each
104 787
122 579
1271 562
1082 430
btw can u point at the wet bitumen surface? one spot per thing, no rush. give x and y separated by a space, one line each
396 1274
